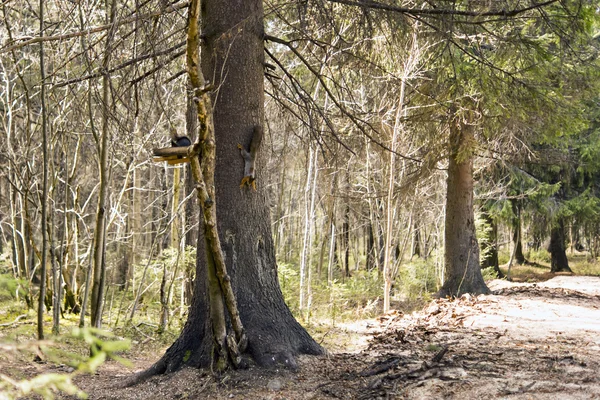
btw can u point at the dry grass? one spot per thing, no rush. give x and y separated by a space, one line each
538 270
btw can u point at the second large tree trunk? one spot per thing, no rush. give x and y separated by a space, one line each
517 233
462 269
558 253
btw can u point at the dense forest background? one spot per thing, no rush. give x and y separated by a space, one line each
366 107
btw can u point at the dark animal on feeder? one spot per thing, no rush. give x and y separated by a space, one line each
179 141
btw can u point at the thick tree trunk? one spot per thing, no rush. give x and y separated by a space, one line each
557 249
463 272
233 47
191 229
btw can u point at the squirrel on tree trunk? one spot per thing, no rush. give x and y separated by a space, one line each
250 158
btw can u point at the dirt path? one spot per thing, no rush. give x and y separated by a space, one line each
527 341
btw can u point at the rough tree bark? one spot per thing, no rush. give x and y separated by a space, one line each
491 257
557 248
191 207
463 272
517 233
232 52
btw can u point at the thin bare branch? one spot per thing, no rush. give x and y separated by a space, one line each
125 65
29 41
442 11
357 121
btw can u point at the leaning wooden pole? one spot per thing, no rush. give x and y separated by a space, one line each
204 172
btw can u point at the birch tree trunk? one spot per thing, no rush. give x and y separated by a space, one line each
309 211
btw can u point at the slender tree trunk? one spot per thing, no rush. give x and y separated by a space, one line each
17 234
18 206
99 282
46 161
331 262
175 245
329 226
137 238
387 255
390 203
86 290
124 254
62 258
309 210
175 219
377 256
346 229
164 301
462 269
3 238
279 226
311 233
28 238
370 247
415 248
75 230
322 238
56 284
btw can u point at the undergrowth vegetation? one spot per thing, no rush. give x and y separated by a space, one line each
133 310
359 295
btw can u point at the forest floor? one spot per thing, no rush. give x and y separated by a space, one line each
525 341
